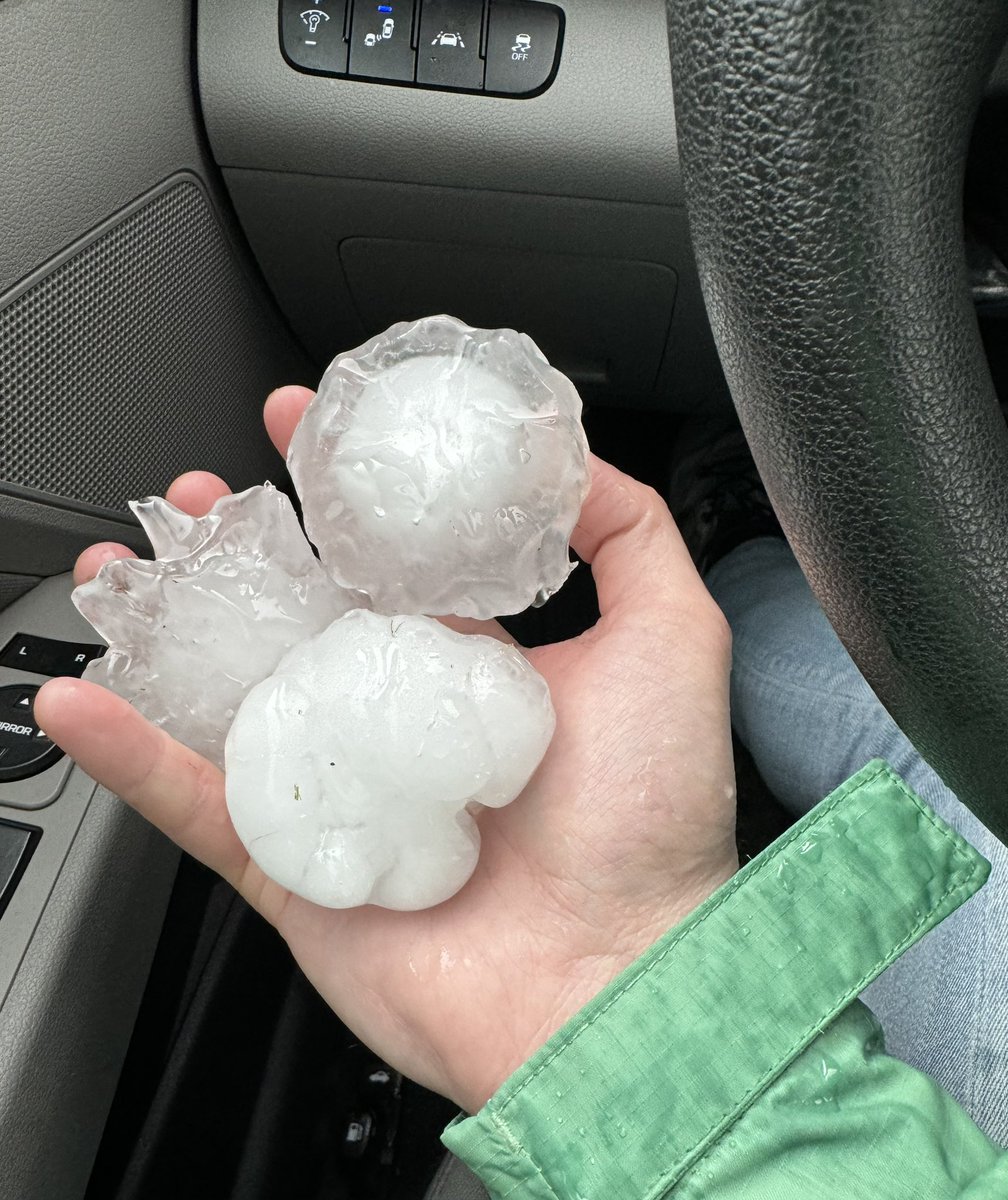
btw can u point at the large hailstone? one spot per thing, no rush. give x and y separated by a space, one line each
353 771
441 469
226 598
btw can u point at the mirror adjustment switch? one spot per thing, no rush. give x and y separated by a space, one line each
24 748
450 37
381 40
17 842
48 656
523 41
313 36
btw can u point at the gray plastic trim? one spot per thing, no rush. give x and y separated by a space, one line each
43 535
604 129
76 942
308 280
96 110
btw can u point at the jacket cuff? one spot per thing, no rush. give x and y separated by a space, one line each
626 1097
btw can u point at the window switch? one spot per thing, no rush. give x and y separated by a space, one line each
522 44
381 40
312 35
449 51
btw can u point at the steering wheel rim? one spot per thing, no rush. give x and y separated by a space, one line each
823 146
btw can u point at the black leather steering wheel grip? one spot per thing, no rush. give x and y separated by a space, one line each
823 145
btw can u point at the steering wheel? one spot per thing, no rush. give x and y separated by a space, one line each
823 145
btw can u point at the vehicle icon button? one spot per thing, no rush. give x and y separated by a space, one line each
450 40
380 46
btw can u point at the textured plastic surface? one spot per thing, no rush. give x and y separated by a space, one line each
45 536
14 585
607 118
226 597
519 239
624 307
85 135
824 148
352 771
75 944
588 169
441 470
97 110
117 338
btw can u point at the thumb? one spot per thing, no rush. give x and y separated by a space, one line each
638 558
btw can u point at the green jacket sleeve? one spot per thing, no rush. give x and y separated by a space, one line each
733 1060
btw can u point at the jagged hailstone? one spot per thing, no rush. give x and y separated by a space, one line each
353 772
226 597
441 469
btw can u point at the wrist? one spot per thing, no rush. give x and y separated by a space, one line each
560 986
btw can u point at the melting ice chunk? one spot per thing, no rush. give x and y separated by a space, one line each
353 771
226 598
442 469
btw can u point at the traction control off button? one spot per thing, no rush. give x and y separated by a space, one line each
521 46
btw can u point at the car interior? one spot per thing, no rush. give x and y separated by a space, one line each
200 202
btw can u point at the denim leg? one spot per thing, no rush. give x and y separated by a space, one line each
810 720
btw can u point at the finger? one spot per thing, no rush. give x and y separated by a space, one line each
284 409
196 492
172 786
637 555
91 560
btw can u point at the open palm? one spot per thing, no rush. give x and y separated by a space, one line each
626 826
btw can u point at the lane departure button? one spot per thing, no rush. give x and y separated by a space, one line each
449 53
381 44
25 748
521 46
312 35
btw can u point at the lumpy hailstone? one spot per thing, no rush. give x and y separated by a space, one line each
441 469
226 598
352 772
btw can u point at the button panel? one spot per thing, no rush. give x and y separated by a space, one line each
24 748
497 47
48 656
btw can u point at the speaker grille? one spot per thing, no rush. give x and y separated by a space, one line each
142 355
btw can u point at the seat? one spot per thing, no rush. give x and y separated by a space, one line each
454 1181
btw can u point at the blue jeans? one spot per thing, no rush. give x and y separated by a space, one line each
808 718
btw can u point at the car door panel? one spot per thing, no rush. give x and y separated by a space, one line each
136 340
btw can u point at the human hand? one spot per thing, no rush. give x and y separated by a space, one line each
627 825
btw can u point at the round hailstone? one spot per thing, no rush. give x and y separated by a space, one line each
441 469
353 771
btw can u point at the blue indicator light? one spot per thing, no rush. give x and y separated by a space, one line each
384 8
